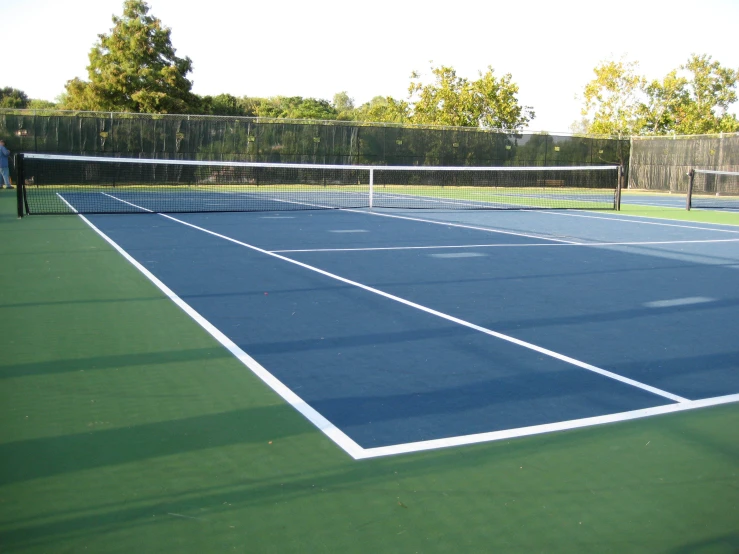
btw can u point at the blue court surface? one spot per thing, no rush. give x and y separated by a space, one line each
397 331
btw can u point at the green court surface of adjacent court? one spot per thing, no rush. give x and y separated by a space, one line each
125 427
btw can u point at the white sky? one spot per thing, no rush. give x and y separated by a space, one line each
318 48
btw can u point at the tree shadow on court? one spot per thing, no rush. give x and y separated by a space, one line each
333 342
689 373
82 301
723 543
620 315
507 402
569 470
114 361
45 457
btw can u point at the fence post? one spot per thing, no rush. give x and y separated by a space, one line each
689 196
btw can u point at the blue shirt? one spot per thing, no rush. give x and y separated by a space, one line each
4 153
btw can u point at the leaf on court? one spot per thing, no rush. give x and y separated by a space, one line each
402 505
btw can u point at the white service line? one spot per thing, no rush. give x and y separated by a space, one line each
490 332
508 245
567 214
462 226
446 224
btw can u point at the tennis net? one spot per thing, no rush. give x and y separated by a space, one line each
58 184
713 189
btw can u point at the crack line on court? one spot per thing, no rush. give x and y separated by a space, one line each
442 315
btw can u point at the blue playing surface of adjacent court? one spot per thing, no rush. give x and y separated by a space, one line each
401 327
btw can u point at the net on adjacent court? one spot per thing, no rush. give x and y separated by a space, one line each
57 184
713 189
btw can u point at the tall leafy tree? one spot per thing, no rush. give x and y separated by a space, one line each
613 99
693 99
709 90
665 106
134 68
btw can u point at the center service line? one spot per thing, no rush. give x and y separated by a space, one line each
541 350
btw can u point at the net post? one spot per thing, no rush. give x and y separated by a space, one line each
689 195
21 181
618 187
371 187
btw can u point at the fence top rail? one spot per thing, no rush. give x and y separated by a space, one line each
684 137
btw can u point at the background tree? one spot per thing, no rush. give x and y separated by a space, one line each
134 69
693 99
226 105
613 101
709 90
665 105
383 109
344 105
36 104
13 98
295 107
488 102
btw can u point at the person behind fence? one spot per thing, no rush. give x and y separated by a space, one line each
4 167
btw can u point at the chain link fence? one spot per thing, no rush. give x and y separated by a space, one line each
295 141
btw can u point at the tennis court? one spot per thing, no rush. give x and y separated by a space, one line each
403 335
356 317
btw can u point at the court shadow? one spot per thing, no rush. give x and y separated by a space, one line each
45 457
507 402
97 363
82 301
350 341
602 317
724 543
